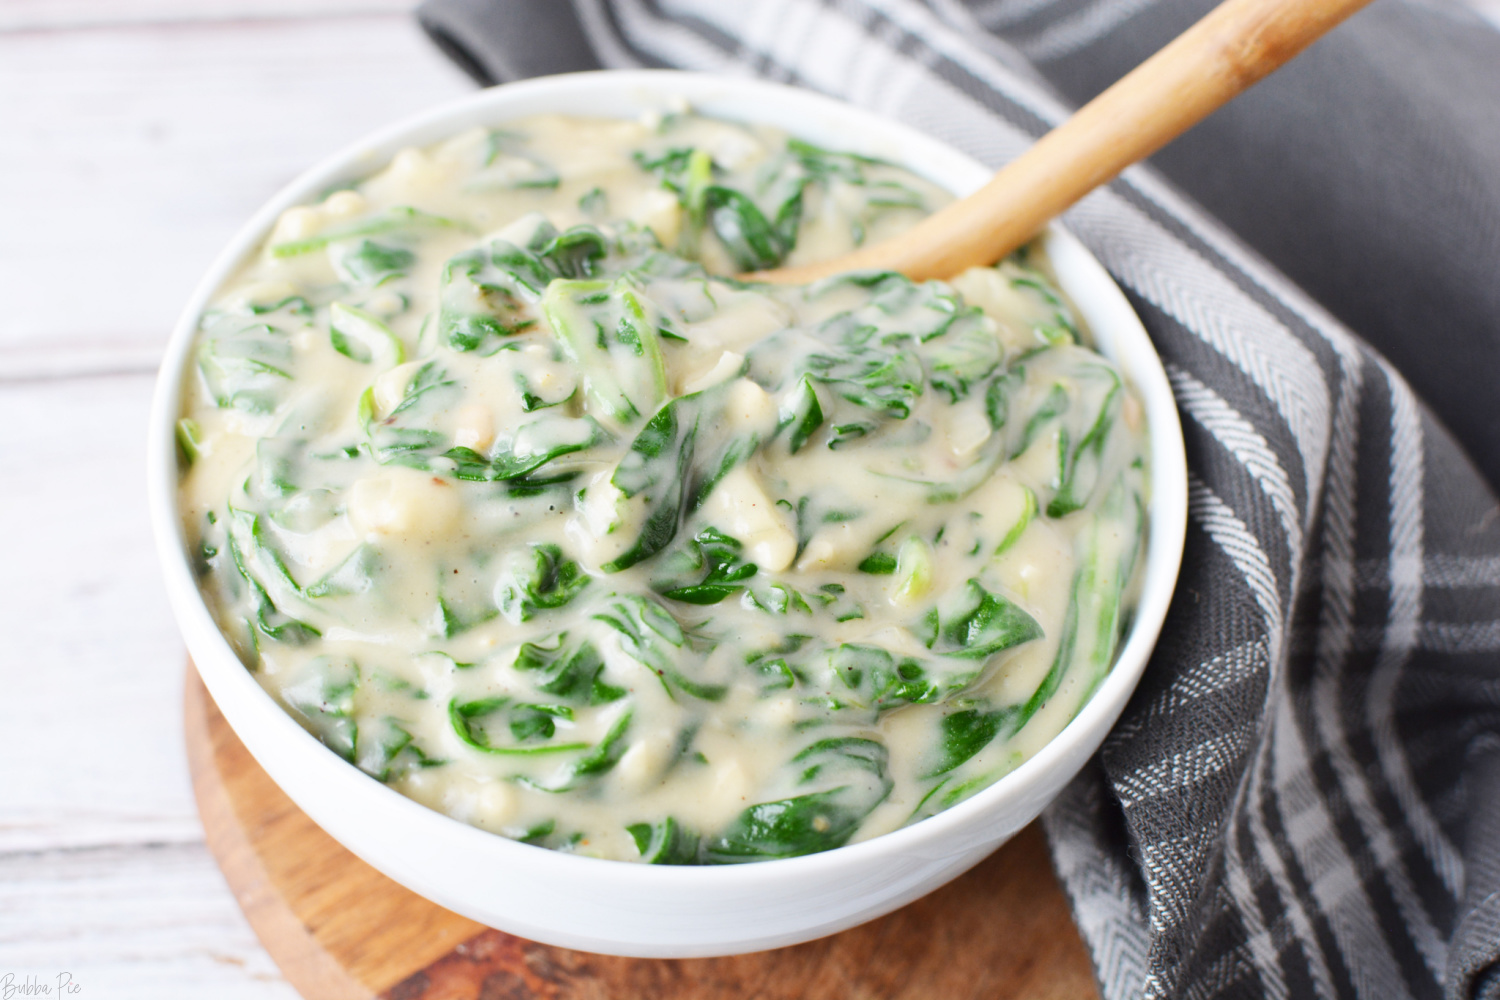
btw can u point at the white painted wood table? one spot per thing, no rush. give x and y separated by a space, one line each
135 137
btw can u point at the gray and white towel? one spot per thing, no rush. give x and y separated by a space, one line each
1303 797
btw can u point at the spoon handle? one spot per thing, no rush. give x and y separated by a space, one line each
1231 48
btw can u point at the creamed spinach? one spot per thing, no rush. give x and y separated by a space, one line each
518 502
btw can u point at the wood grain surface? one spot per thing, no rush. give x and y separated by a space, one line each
339 930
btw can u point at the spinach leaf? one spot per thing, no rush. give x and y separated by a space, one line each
717 557
510 166
787 828
397 439
871 377
772 665
688 172
600 759
826 164
537 579
474 722
485 294
1079 469
724 454
385 751
880 681
969 479
1090 633
575 252
531 722
245 365
411 436
606 329
479 332
400 219
650 634
903 310
893 194
817 821
354 575
536 835
1060 328
753 239
806 522
427 385
964 733
802 413
913 569
569 670
642 624
881 561
1091 630
781 184
605 754
531 400
781 598
594 203
676 464
248 530
665 843
852 431
261 567
323 696
754 243
189 437
457 613
997 396
967 353
373 263
955 793
278 465
533 446
295 305
1028 514
361 337
875 282
776 675
974 624
1053 405
857 683
499 142
669 165
491 293
657 464
535 486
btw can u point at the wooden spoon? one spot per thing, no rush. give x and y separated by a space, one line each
1226 52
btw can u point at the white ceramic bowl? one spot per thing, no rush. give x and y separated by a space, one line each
644 910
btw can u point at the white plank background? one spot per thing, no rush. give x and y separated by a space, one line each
135 136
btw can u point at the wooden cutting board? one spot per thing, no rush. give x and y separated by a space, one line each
339 930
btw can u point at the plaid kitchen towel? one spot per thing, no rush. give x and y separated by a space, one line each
1303 797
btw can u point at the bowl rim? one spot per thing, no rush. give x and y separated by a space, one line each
242 698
